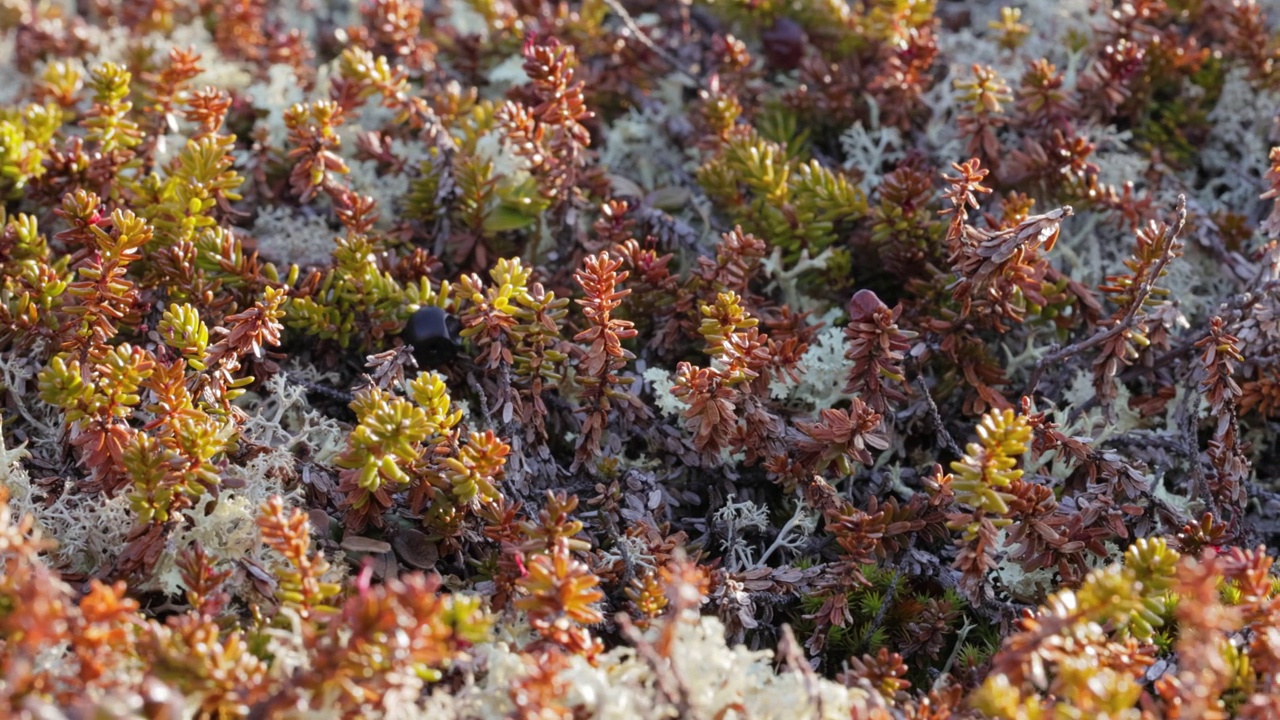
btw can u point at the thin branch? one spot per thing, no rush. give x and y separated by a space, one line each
668 682
955 653
943 435
1233 310
1140 296
878 621
1187 424
648 42
789 651
330 392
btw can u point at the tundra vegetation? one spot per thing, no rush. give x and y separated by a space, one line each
873 360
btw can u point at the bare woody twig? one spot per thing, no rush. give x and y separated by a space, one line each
1140 295
1232 310
943 435
789 650
645 40
669 683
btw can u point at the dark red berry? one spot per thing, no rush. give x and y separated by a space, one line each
784 44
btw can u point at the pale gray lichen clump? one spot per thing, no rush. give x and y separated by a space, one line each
720 681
